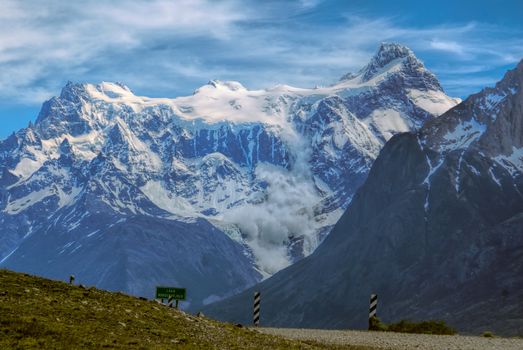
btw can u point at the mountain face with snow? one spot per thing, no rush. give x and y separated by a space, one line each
127 192
436 231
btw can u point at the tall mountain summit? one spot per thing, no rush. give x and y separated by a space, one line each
228 184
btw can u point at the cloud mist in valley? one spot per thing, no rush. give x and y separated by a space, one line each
285 212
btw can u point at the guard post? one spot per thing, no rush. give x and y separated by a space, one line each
256 312
373 307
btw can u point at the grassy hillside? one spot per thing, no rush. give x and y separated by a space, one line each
37 313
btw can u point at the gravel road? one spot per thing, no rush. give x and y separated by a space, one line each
393 341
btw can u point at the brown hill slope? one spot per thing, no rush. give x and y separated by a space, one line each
37 313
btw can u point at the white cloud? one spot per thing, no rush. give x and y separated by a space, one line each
308 4
188 16
48 43
449 46
171 47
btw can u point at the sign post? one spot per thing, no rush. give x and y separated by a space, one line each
171 293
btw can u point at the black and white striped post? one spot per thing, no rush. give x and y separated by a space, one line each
373 307
256 313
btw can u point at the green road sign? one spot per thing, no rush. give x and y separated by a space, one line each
167 292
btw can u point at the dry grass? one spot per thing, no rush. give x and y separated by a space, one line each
37 313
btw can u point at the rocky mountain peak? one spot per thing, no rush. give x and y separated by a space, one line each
399 61
490 120
501 109
512 80
72 91
386 54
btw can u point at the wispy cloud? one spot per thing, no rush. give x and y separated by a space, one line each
164 47
449 46
189 17
308 4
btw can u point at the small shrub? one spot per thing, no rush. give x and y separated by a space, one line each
424 327
404 326
376 325
488 334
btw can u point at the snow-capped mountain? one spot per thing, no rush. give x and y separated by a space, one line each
436 231
109 185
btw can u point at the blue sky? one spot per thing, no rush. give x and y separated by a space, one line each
169 48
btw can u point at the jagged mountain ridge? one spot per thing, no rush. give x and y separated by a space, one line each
435 231
288 159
